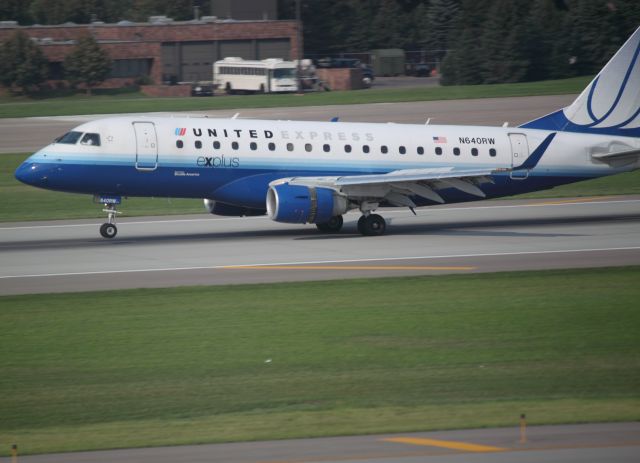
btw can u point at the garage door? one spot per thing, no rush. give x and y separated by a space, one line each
241 48
274 48
197 61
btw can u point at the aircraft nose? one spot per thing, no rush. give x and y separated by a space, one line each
28 172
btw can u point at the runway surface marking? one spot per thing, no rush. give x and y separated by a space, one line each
561 202
320 262
344 267
427 210
445 444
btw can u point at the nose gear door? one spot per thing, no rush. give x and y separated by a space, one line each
146 146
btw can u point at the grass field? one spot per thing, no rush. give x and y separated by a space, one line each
209 364
136 102
24 203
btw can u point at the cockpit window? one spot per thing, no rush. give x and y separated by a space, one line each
90 139
69 138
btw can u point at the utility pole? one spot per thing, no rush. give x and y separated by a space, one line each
299 45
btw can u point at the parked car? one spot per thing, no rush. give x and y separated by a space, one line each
202 89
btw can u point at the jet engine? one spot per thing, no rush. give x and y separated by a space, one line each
303 204
218 208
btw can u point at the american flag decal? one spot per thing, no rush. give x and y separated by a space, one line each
180 131
439 139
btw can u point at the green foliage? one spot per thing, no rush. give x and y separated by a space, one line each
87 64
22 63
78 368
524 41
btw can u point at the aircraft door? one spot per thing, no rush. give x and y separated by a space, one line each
519 154
146 146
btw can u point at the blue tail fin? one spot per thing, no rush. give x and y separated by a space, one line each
611 102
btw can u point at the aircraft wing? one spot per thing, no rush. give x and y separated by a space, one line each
397 186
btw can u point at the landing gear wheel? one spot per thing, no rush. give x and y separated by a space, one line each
334 225
361 221
372 225
108 230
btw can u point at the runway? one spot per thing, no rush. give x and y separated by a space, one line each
613 442
157 252
32 133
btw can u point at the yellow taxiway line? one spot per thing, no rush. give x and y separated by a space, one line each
445 444
560 202
346 267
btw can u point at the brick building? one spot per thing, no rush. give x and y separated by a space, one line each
166 51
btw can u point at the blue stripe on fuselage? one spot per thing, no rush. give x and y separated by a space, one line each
240 186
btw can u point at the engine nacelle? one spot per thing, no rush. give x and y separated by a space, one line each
302 204
218 208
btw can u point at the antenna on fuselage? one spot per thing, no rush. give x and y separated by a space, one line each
428 120
235 116
506 124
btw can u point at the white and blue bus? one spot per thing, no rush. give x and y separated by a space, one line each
262 76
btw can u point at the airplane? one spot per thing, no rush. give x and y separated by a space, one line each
315 172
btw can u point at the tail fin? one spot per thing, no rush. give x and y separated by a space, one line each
611 102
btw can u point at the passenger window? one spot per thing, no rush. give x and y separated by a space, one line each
234 145
347 148
438 151
420 150
216 145
289 146
474 151
90 139
198 144
253 146
308 147
384 149
365 148
326 148
492 152
272 146
456 151
402 150
179 143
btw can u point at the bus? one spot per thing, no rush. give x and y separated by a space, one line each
262 76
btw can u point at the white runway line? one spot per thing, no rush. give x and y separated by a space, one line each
319 262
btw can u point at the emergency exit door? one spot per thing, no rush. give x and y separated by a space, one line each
519 154
146 146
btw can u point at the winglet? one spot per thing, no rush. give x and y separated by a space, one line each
535 157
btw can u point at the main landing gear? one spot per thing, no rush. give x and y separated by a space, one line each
368 225
109 229
372 225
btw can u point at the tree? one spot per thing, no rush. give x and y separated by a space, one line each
87 64
504 41
22 63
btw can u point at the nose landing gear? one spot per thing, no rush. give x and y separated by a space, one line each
109 229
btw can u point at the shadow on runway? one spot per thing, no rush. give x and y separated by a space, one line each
480 228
